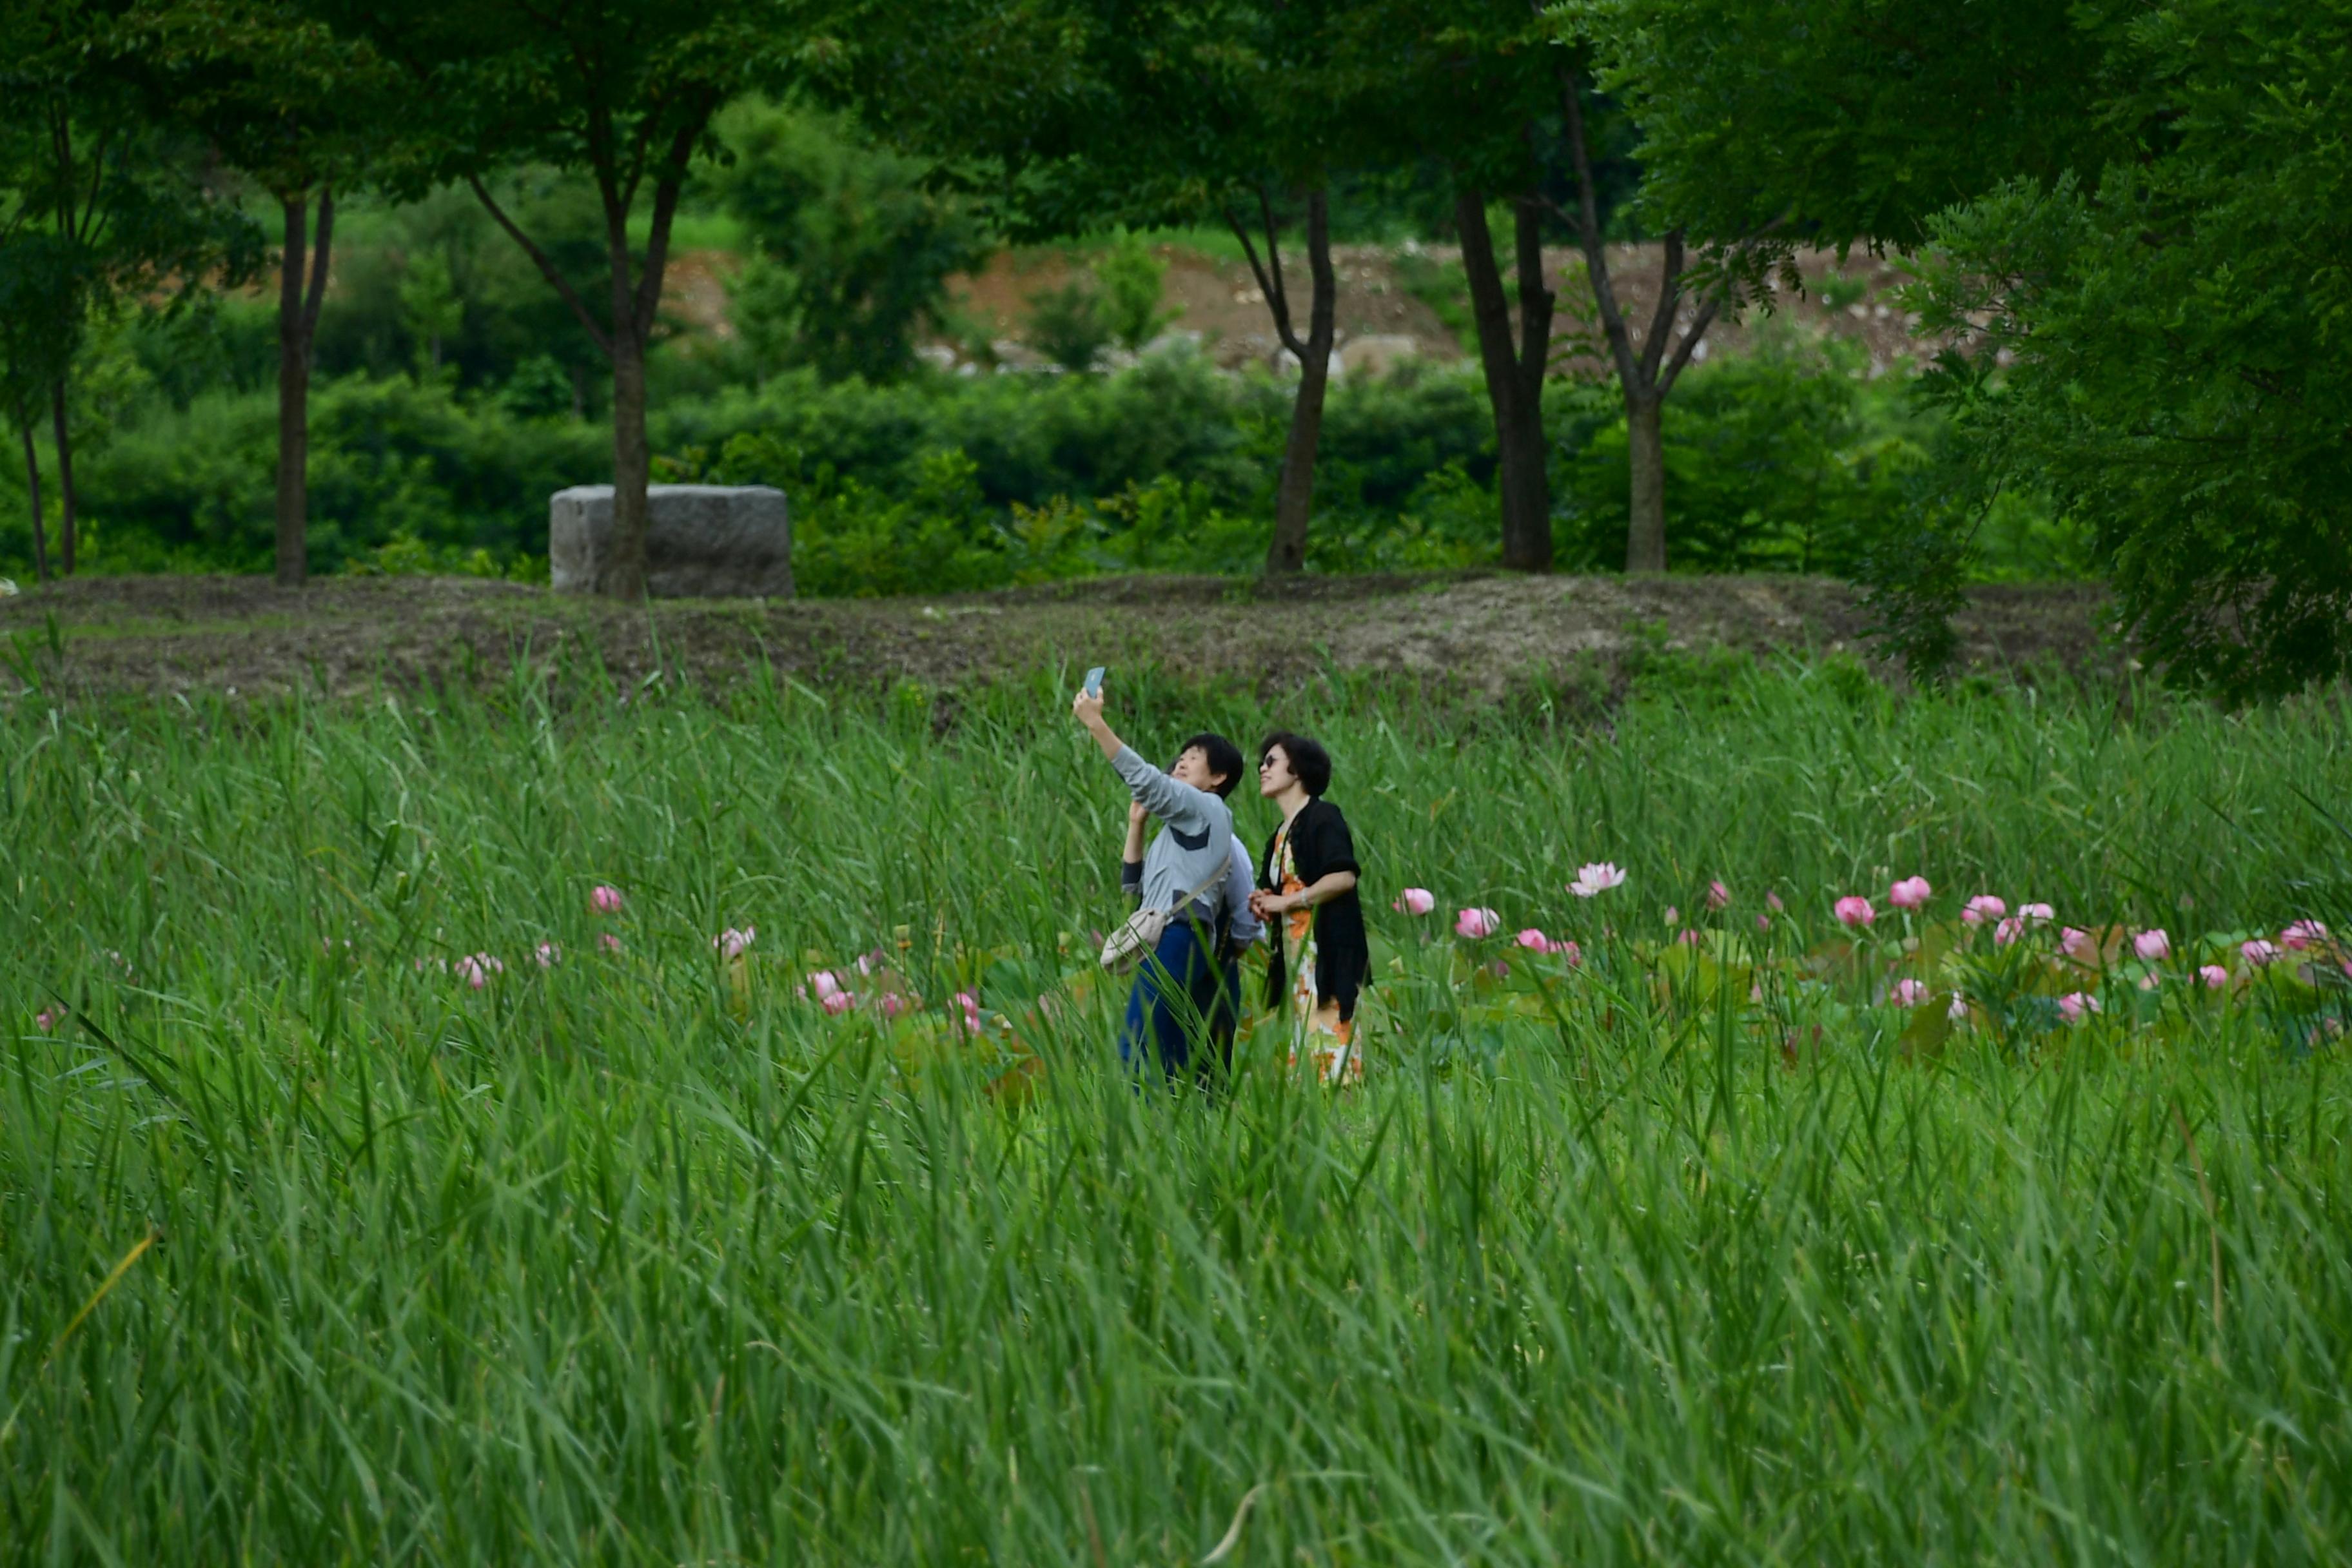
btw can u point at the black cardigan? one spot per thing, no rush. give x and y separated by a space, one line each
1320 845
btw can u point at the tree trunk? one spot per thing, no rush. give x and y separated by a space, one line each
293 405
60 431
1294 506
33 487
1645 533
623 575
1515 374
1523 484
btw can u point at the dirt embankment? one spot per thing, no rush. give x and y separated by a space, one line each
345 636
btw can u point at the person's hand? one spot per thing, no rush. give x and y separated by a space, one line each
1136 815
1087 710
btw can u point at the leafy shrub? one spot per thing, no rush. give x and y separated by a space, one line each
1070 326
1133 282
852 253
389 459
440 272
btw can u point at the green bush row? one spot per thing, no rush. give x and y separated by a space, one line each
1782 460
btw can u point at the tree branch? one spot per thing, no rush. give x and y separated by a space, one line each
666 190
1269 286
1587 224
1281 287
546 268
1670 305
1683 350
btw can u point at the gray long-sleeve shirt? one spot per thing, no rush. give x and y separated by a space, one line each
1196 841
1241 877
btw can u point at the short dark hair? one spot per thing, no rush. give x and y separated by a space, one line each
1307 758
1222 755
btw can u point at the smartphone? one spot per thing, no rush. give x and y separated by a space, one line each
1094 681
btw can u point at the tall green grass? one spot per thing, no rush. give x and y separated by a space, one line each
593 1265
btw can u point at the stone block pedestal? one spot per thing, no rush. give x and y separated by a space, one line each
701 541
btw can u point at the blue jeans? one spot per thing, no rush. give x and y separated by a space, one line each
1182 999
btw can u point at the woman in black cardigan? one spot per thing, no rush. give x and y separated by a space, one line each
1306 886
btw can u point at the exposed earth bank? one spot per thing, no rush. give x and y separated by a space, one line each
1479 634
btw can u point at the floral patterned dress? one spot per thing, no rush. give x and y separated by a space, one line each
1324 1039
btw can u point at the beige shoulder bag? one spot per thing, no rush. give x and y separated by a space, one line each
1141 932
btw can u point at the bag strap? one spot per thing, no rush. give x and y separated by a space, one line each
1211 880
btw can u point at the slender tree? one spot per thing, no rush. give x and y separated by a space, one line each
40 312
1081 115
1505 91
307 114
124 198
623 90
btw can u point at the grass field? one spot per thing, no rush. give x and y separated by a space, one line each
317 1252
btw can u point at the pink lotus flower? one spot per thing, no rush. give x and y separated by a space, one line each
2036 914
1958 1011
2150 981
2076 943
1910 893
1475 925
893 1004
970 1006
1597 877
1856 910
476 969
731 943
550 955
48 1018
826 984
2153 945
605 900
610 944
1763 922
1984 907
1689 938
2213 975
2009 931
2075 1004
1674 915
2259 951
1534 941
840 1002
1911 992
1717 896
1772 901
1570 952
2303 934
1414 901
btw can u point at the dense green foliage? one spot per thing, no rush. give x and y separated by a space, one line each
613 1261
851 253
2178 322
2139 206
1788 460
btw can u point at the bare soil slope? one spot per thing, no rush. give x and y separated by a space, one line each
1479 634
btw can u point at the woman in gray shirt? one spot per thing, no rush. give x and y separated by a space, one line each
1179 991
